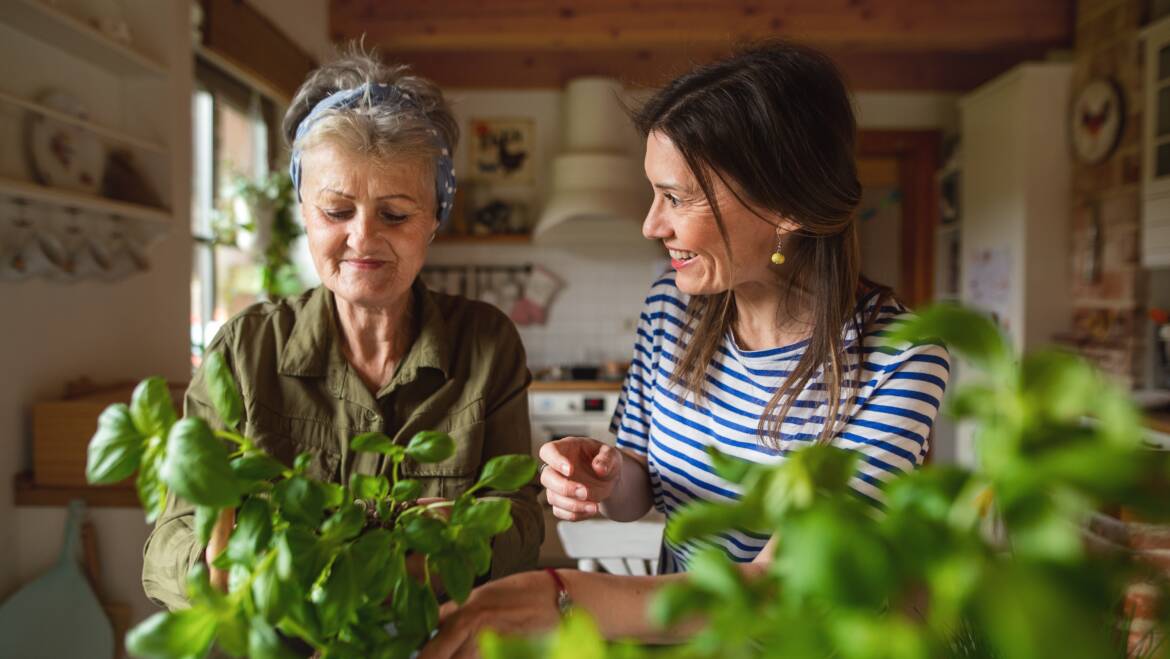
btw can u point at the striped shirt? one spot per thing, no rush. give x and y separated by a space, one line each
888 424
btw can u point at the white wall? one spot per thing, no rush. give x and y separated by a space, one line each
55 332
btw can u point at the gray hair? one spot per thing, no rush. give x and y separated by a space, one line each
382 132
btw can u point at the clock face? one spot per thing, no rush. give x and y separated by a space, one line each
1096 121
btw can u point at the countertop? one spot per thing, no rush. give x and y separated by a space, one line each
576 385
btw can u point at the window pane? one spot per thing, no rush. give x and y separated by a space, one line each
1162 161
1163 111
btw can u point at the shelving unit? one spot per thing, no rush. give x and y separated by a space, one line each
97 129
25 492
498 239
67 198
74 36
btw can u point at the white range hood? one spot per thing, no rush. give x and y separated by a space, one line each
598 186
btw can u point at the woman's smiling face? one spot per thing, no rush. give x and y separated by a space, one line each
683 220
368 223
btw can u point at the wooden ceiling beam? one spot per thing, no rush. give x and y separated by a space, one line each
625 25
651 68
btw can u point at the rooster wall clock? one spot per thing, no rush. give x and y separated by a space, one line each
1098 116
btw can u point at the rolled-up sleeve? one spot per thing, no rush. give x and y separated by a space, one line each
508 431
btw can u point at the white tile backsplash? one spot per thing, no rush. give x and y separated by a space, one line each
594 316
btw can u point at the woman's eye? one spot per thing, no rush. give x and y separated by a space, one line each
338 214
674 201
393 217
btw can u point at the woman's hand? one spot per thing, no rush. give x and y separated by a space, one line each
524 603
581 474
216 544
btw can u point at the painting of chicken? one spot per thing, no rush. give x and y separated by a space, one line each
501 150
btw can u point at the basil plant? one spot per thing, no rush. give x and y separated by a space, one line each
925 579
310 563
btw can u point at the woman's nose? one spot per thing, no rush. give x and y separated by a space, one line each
654 227
362 230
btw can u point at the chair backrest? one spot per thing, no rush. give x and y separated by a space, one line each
626 548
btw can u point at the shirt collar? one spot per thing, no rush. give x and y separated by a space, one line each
312 349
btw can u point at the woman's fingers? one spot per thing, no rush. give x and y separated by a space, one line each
569 505
218 541
555 482
551 454
607 463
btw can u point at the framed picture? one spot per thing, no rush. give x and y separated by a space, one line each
501 150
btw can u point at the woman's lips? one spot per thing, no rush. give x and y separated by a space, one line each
365 264
679 265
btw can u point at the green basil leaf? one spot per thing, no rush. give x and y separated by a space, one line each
507 472
372 442
674 601
299 557
711 571
425 534
302 462
374 488
272 594
185 633
406 490
263 643
478 552
344 524
252 534
381 561
333 494
430 446
256 467
457 576
205 518
300 500
152 492
221 386
340 595
151 407
116 449
729 468
196 466
486 517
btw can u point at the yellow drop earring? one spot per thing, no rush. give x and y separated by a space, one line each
778 256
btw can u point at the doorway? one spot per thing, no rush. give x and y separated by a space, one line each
899 210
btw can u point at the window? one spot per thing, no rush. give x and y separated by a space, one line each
233 129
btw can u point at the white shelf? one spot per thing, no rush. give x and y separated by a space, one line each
96 129
32 191
55 27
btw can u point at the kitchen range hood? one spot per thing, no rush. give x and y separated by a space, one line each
598 187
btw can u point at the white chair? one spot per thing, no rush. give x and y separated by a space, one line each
625 548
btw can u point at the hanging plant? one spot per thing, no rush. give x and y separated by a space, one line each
259 216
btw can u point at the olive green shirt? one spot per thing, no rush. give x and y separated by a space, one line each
465 374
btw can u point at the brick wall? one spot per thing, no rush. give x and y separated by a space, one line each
1108 323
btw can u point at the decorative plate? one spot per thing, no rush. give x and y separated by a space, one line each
1098 117
62 155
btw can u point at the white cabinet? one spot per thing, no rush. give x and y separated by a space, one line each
1014 204
1015 198
1156 147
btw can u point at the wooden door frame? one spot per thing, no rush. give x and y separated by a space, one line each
917 152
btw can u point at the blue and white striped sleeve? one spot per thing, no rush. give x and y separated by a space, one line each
896 410
631 417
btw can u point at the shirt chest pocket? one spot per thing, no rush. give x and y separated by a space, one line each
285 437
456 474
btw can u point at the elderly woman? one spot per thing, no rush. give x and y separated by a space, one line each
763 338
371 349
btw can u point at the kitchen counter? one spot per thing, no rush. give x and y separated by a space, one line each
576 385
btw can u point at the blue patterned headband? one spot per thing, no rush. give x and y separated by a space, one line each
394 97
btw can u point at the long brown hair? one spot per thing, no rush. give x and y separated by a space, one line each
775 124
